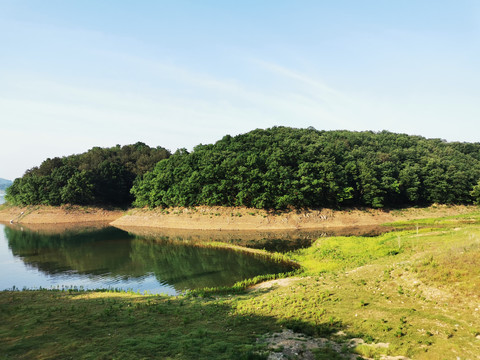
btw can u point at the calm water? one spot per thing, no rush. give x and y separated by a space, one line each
112 258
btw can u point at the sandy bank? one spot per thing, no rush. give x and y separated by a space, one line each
222 218
35 214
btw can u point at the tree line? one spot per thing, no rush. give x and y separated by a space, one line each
100 176
285 167
275 168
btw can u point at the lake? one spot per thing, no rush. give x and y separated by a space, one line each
105 257
141 259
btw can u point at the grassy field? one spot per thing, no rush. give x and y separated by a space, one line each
414 293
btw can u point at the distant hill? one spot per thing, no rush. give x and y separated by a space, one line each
4 183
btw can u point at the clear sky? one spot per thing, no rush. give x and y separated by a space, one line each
78 74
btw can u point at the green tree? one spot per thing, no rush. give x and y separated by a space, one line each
285 167
107 175
78 189
475 193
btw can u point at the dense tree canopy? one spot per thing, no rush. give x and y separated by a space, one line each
286 167
274 168
101 176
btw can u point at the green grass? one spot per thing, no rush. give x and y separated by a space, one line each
411 293
104 325
416 291
342 252
469 218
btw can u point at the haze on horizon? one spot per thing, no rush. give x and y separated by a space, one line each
74 75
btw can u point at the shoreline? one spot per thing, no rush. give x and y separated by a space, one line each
65 214
222 218
245 219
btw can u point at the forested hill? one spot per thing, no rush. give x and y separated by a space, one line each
286 167
274 168
100 176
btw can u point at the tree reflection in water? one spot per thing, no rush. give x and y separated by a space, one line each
115 254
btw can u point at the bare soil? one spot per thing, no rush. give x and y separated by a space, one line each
222 218
227 218
68 214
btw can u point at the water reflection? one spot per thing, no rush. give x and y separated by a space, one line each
156 260
271 240
101 256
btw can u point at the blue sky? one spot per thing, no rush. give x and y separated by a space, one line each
78 74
